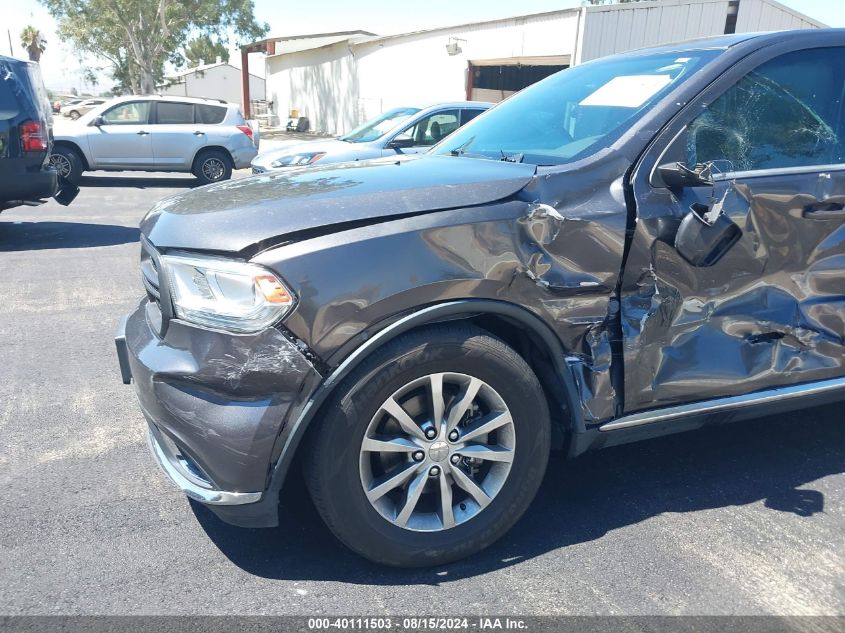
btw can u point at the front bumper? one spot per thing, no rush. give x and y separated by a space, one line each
185 474
215 402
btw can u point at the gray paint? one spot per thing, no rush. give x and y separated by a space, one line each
583 249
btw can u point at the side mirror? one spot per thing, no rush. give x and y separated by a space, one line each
66 193
98 121
400 143
705 235
678 175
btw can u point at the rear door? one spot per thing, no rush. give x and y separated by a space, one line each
768 309
176 136
123 139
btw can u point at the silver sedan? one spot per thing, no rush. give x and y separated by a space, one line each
397 131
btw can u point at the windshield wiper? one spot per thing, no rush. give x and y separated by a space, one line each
512 158
460 151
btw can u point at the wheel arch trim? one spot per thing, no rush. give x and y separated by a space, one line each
75 146
424 316
206 148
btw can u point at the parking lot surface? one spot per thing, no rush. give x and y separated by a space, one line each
741 519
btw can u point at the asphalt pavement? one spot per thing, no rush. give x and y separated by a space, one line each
739 519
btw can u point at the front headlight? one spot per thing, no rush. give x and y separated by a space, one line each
296 160
226 294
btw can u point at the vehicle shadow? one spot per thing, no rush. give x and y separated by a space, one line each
140 182
581 500
33 236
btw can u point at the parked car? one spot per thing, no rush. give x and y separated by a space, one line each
205 137
25 138
635 246
76 109
397 131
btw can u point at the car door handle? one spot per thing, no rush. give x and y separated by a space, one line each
142 133
824 211
198 133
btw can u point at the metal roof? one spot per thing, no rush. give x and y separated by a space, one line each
202 68
310 42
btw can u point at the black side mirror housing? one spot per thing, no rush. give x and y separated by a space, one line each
703 240
66 193
400 143
678 175
98 121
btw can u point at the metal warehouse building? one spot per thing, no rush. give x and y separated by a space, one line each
339 80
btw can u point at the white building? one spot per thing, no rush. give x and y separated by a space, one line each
219 80
339 80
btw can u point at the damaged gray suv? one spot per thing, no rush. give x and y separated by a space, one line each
632 247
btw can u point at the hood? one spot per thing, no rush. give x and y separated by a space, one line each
329 146
233 215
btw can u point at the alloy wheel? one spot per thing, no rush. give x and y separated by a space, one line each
61 164
213 169
437 452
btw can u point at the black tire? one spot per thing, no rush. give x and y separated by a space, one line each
332 458
64 157
74 115
212 165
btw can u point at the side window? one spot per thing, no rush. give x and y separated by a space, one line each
169 113
469 115
432 129
786 113
132 113
210 114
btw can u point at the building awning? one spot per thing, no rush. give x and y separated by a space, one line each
554 60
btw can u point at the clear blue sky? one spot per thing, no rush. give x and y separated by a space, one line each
61 65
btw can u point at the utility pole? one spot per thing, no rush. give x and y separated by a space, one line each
11 52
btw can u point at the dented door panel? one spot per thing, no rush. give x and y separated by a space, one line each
771 312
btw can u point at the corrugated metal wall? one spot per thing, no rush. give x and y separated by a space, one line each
765 15
618 28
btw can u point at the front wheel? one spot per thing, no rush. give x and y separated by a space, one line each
433 448
212 166
74 115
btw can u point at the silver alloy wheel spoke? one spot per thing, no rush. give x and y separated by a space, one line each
396 445
412 496
395 410
430 484
393 479
468 484
61 164
486 425
489 453
212 168
435 384
461 406
447 515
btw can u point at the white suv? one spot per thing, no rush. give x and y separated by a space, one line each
158 133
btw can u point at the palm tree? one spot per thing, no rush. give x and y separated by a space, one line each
33 42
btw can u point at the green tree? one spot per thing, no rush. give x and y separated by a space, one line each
138 36
204 49
33 42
